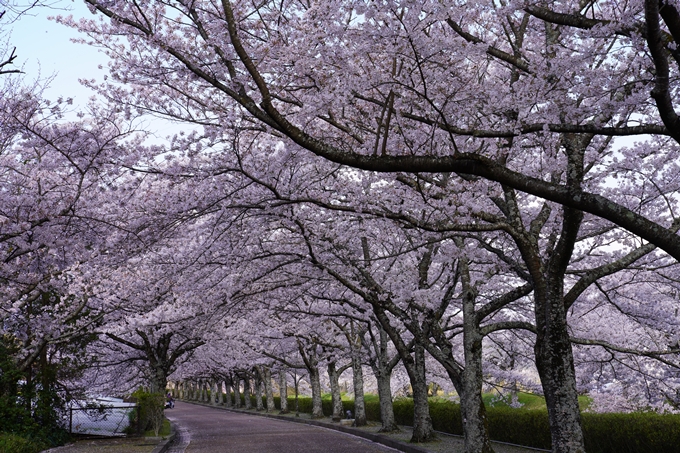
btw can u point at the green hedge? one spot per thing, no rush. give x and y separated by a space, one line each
631 433
403 411
604 433
518 426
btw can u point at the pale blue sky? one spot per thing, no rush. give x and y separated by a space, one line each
44 49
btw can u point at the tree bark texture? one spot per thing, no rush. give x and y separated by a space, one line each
475 423
358 378
258 392
384 379
247 391
237 393
268 391
382 366
283 391
423 431
315 381
555 364
214 393
238 401
227 393
336 401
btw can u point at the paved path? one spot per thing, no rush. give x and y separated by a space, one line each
207 430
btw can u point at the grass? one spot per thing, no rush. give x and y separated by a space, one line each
529 401
368 397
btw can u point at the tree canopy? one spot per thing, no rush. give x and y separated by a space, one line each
433 191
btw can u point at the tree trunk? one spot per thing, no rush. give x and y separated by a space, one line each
237 392
159 381
382 366
214 393
227 393
297 394
423 431
555 364
358 374
258 392
268 391
315 381
220 394
475 423
247 391
336 401
283 391
384 378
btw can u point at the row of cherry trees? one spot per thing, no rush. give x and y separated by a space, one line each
427 185
290 280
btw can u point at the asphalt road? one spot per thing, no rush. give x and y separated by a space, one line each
207 430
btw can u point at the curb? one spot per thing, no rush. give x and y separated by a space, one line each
165 445
377 438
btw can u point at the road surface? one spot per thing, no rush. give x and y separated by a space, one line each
207 430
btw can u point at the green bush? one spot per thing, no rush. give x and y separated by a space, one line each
305 405
604 433
631 433
30 404
519 426
403 411
12 443
372 408
253 399
150 413
446 417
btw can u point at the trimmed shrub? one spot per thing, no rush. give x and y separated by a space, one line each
403 411
446 417
631 433
519 426
604 433
372 409
304 404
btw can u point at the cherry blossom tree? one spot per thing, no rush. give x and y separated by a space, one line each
54 237
522 95
391 60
